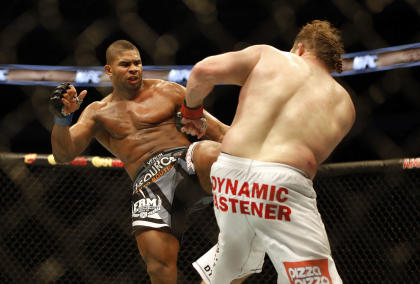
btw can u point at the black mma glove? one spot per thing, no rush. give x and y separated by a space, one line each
56 105
192 138
179 125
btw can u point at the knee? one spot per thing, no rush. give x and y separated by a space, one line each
205 154
207 151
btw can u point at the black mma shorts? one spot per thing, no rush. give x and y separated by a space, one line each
165 190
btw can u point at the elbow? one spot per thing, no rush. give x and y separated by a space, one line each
61 159
61 152
203 70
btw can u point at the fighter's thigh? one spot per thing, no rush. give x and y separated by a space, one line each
234 256
158 247
205 154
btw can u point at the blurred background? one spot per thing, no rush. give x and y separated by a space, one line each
71 224
168 32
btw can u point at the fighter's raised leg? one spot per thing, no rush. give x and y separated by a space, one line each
205 154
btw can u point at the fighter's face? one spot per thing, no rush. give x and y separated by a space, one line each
126 70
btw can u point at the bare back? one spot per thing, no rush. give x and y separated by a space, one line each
290 111
135 129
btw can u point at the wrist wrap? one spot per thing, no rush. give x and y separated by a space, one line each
192 113
63 121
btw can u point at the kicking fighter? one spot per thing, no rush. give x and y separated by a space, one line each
136 123
290 116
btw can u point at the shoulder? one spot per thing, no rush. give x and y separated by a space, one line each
262 48
269 51
168 90
280 63
269 54
261 51
164 86
158 83
94 106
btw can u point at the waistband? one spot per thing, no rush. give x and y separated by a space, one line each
245 163
163 152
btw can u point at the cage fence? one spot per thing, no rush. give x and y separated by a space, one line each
72 223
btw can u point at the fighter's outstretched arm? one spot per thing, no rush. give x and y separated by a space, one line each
68 142
228 68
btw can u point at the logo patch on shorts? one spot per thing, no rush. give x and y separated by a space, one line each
309 271
146 207
157 167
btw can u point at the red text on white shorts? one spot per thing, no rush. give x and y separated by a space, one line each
265 201
308 271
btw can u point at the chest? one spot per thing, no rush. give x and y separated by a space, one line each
120 119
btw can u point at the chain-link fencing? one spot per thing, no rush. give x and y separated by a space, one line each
72 223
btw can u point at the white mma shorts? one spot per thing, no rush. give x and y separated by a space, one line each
266 207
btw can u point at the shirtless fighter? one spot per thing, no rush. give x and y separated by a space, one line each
136 123
291 115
